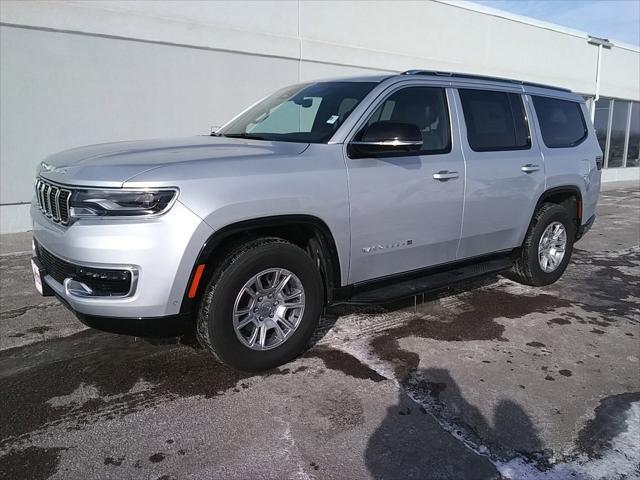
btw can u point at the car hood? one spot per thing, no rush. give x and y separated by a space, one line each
112 164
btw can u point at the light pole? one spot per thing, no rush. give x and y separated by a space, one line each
601 43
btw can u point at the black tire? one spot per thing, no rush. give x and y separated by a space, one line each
526 269
214 323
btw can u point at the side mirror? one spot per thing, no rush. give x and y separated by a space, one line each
385 137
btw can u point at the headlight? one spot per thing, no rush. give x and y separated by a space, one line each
121 203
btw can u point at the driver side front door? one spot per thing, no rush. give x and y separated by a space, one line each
406 207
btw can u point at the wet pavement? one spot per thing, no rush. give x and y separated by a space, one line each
487 380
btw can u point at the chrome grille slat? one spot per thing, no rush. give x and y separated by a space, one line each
53 201
65 196
53 195
43 187
40 196
35 186
47 202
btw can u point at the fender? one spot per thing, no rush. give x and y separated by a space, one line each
322 246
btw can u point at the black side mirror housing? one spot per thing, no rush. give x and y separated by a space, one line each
386 137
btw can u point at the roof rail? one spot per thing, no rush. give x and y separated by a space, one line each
480 77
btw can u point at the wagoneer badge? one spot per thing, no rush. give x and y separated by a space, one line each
376 248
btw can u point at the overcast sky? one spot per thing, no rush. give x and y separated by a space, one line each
612 19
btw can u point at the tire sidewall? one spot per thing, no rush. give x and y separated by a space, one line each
553 214
224 340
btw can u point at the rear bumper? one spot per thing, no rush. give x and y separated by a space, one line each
583 229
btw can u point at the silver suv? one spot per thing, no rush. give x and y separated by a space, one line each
354 190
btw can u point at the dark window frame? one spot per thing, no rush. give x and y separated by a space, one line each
442 151
585 133
527 123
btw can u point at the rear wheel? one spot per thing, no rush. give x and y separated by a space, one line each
547 248
261 305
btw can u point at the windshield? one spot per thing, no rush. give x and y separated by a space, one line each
307 113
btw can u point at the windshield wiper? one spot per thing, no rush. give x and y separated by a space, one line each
248 136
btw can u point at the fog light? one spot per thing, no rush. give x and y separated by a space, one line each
77 289
103 274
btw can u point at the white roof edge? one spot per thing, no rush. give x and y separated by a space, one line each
470 5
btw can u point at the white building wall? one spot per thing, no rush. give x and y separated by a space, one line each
74 73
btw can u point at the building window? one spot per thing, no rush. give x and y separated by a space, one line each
618 134
633 150
617 124
601 122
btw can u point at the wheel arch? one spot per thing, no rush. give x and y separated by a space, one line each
306 231
568 196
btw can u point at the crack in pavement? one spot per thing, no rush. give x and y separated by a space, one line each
16 312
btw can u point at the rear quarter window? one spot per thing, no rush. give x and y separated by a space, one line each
561 122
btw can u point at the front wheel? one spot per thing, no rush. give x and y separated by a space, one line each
547 248
261 306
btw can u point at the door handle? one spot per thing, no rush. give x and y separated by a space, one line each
530 167
444 175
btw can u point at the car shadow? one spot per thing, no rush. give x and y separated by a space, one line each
402 448
333 312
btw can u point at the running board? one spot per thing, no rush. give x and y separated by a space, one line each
433 281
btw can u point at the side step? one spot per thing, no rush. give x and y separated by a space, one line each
433 281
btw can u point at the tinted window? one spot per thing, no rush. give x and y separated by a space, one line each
495 120
309 113
425 107
561 122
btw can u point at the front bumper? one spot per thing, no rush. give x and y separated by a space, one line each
150 327
161 251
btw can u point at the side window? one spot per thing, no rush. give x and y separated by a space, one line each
495 120
561 122
425 107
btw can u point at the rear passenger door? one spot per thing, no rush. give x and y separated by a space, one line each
505 173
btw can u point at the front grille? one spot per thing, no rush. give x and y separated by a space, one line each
53 200
102 281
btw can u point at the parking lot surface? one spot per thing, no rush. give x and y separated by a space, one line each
487 380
